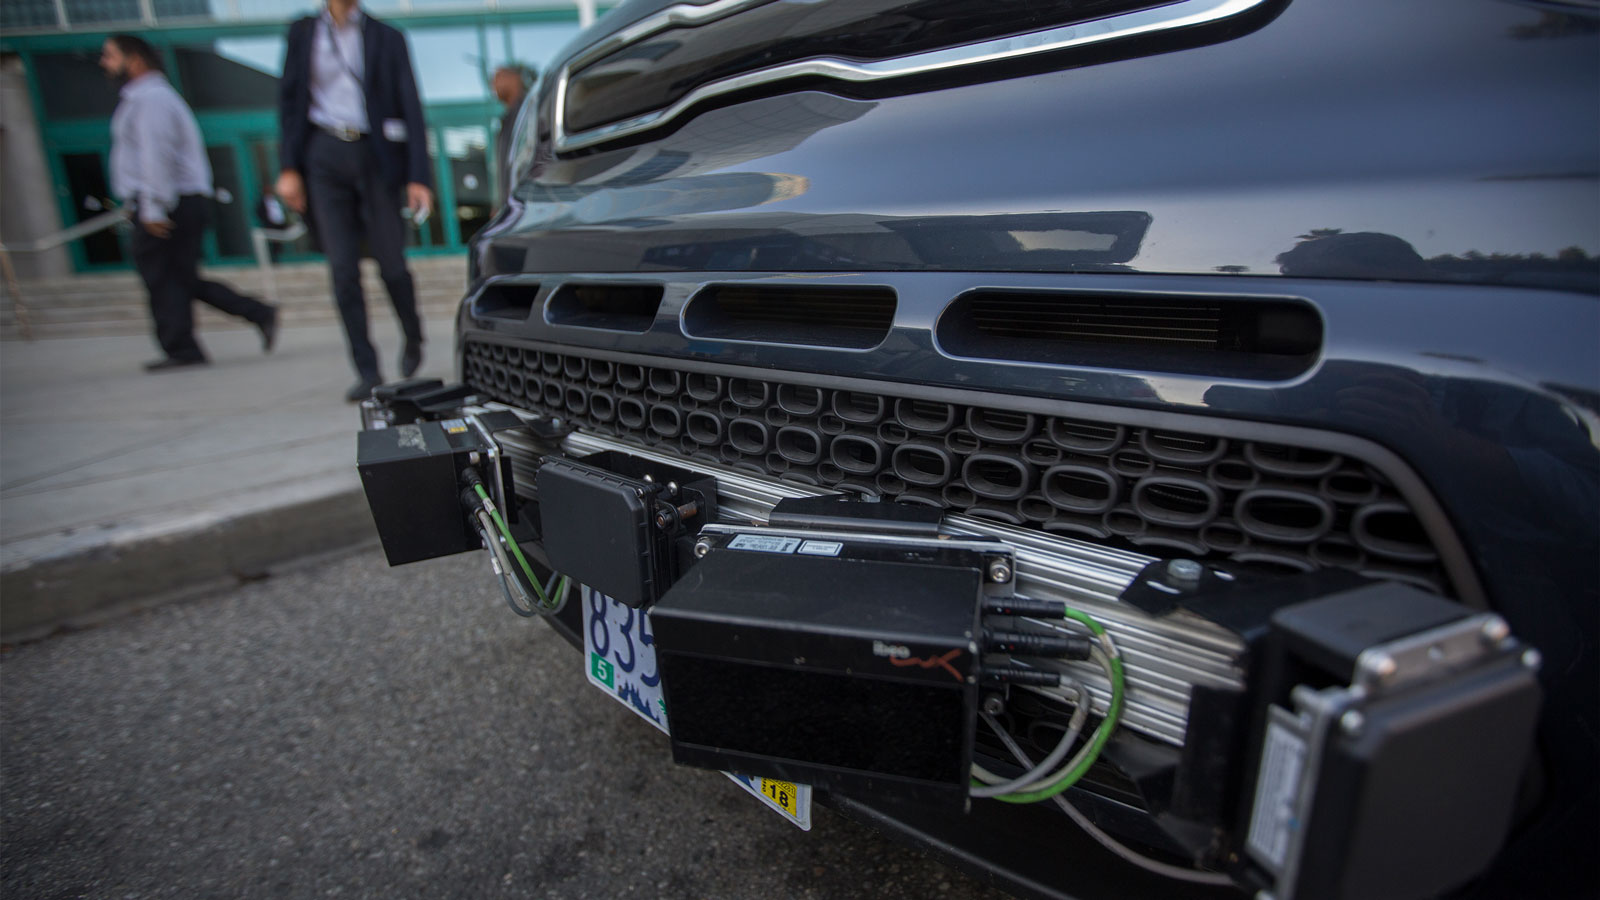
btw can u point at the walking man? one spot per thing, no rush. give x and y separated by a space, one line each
159 166
351 136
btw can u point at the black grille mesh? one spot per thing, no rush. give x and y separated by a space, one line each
1166 493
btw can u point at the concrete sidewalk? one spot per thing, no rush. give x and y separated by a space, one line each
117 485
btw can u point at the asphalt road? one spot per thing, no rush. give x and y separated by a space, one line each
343 729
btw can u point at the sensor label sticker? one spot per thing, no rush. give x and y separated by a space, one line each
1275 821
764 543
821 548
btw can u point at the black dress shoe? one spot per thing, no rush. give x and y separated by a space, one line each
410 360
162 365
360 391
269 330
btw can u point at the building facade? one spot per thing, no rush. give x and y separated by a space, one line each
225 57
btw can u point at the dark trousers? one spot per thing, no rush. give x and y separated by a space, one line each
349 203
170 269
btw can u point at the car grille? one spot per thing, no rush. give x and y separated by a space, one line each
1266 506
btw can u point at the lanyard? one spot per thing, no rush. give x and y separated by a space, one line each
333 43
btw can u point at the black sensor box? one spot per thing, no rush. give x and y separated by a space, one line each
849 666
615 522
411 475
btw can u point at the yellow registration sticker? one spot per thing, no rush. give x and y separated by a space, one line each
783 793
790 800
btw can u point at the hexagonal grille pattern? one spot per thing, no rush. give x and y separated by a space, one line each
1165 493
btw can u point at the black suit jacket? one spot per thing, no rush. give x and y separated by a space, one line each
391 92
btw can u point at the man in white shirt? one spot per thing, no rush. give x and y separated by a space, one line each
159 167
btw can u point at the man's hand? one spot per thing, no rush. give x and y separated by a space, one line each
420 200
161 229
291 190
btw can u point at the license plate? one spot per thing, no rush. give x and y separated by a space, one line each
620 659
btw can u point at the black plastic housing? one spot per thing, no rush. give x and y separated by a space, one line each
614 522
411 476
850 673
1415 796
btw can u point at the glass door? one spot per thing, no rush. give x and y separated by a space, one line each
467 178
89 195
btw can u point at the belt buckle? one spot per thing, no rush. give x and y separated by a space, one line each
344 133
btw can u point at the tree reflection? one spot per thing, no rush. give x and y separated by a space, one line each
1335 253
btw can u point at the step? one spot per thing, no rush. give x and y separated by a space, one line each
206 321
134 294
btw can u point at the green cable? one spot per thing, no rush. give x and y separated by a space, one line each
1101 734
512 543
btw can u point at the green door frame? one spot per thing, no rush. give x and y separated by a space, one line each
237 129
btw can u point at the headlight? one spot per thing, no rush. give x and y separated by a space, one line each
524 142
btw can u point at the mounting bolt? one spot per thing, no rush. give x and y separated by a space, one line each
1532 659
994 705
1352 722
999 571
701 548
475 458
1382 665
1185 572
1495 630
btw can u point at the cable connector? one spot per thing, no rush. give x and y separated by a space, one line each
1016 675
1022 643
1024 606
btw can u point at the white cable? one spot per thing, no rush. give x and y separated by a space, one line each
1180 873
1193 876
1101 657
997 786
500 561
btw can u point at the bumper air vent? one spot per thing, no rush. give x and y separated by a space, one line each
853 318
505 301
1159 491
612 307
1215 336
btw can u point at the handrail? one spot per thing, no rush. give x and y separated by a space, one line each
258 240
83 229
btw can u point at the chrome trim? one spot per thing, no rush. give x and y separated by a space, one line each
1182 14
689 14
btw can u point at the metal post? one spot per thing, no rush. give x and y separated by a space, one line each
585 13
18 308
258 240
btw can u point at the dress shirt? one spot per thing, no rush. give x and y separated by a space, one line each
156 151
338 65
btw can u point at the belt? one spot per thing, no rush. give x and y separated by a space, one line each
348 135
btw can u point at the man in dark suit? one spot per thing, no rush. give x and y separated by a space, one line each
351 135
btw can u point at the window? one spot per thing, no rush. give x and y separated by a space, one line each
449 64
72 86
213 79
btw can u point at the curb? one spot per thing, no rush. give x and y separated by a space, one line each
77 577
